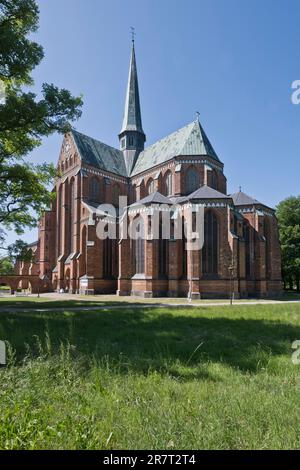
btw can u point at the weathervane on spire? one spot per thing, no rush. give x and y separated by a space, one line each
197 116
132 29
240 189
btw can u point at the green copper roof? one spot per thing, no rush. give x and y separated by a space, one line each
95 153
132 120
190 140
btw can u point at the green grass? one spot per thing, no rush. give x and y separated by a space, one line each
200 378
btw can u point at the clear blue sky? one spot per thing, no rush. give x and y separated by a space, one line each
233 60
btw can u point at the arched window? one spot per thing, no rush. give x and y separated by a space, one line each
83 244
184 252
267 233
140 256
163 253
59 221
138 247
133 194
150 186
72 216
94 189
214 180
168 184
107 258
191 180
116 194
246 235
210 251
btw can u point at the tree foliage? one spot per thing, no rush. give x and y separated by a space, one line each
25 120
6 266
288 213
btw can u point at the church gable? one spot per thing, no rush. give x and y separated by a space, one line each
68 155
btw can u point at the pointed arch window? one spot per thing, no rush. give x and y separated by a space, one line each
214 180
150 186
267 233
133 194
94 189
83 244
191 180
168 184
138 249
184 250
163 253
210 251
107 258
115 195
59 224
72 246
140 256
246 235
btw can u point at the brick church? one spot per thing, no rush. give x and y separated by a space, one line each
241 252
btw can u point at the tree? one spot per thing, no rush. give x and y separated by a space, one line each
288 214
6 266
25 120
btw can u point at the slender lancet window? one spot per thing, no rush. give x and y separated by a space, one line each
184 250
246 233
72 216
168 184
163 253
107 258
214 180
267 232
115 195
94 190
139 247
210 251
150 186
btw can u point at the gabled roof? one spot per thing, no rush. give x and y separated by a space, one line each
96 153
242 199
154 198
205 192
189 140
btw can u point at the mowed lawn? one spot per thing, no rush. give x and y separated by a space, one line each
131 377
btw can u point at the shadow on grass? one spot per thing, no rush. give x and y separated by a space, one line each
139 339
27 303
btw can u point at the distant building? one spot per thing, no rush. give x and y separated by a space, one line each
241 246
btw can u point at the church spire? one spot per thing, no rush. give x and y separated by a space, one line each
132 137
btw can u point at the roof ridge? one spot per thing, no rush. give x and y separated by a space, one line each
97 140
168 135
183 145
205 187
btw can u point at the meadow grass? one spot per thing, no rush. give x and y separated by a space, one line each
159 378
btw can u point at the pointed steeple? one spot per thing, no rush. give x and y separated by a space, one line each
132 120
132 137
